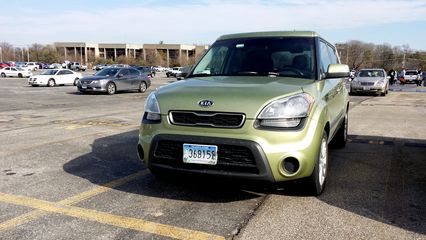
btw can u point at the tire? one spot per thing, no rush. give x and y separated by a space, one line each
318 178
75 82
382 94
142 87
19 75
51 83
3 74
168 75
339 140
111 89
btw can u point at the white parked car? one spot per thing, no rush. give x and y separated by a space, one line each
55 77
55 66
32 65
15 72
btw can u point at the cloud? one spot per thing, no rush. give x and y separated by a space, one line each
203 21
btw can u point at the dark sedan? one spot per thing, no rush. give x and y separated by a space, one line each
111 80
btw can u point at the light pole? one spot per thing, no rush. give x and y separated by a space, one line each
403 61
1 54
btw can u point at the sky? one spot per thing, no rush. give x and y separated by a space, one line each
395 22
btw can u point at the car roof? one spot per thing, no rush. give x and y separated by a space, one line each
270 34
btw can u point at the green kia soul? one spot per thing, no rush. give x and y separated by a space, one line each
260 106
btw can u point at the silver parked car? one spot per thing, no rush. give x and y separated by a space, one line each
111 80
370 80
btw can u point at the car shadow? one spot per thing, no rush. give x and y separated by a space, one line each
115 157
380 178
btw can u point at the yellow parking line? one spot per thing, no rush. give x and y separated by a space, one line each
22 219
101 189
106 218
27 217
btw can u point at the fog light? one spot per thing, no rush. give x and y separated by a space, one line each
290 165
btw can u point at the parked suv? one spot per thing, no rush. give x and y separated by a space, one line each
260 106
78 67
410 76
174 71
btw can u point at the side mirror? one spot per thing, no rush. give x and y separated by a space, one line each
337 71
120 75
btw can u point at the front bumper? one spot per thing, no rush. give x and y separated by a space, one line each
37 82
92 87
267 148
360 88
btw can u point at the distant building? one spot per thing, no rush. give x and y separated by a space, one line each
87 52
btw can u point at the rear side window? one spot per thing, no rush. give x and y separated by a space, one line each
125 72
134 72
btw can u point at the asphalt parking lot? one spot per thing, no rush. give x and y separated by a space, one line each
69 170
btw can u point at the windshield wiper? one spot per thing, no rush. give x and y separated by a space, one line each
252 73
200 75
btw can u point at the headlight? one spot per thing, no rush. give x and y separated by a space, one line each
95 82
380 83
286 112
152 109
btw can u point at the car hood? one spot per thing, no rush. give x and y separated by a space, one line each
240 94
369 79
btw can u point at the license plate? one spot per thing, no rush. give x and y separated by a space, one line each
200 154
84 87
365 88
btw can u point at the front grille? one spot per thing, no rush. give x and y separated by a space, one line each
231 158
367 83
207 119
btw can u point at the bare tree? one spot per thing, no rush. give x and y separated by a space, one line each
7 51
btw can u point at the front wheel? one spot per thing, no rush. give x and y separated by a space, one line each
51 83
111 89
19 75
142 87
319 174
75 82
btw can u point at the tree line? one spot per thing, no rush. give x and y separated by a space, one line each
356 54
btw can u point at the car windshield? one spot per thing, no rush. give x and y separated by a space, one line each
107 72
370 73
50 72
265 56
411 73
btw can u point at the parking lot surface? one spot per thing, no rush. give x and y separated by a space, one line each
69 170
